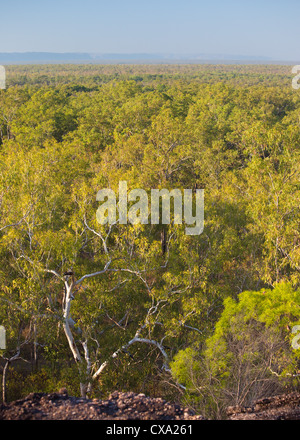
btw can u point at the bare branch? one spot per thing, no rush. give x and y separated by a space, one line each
18 223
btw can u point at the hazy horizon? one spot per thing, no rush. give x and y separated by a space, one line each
7 58
255 29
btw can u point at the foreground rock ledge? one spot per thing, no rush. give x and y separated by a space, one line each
283 407
119 406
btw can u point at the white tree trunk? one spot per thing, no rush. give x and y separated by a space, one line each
4 397
66 324
84 370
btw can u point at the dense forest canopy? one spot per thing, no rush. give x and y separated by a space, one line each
146 307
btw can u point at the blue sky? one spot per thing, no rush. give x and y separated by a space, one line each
239 27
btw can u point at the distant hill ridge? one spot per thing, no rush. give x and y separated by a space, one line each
43 57
113 58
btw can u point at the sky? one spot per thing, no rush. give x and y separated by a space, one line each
267 28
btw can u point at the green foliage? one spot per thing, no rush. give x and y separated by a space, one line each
249 353
68 131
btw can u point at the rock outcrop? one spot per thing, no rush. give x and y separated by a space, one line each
119 406
282 407
131 406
